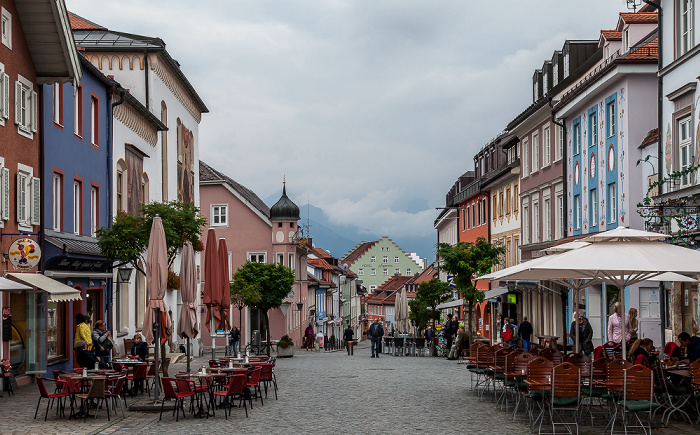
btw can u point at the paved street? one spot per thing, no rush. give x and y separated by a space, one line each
326 392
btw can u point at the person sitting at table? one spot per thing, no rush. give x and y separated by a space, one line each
642 352
691 345
462 342
140 348
83 356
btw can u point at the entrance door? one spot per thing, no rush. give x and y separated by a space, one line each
649 322
595 318
93 302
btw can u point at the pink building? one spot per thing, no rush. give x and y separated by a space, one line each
255 232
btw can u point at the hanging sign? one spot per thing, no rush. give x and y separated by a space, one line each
24 253
6 312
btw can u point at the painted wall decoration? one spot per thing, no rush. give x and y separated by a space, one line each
668 150
134 180
185 165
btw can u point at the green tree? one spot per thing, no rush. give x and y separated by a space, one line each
429 295
466 261
244 294
419 313
126 240
272 281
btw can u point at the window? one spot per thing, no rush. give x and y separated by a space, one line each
516 196
478 213
219 215
685 143
396 259
577 212
555 71
684 26
144 189
566 65
373 259
593 129
625 40
495 210
56 330
26 107
508 196
291 264
576 140
547 151
560 143
94 210
526 224
58 103
547 219
385 259
122 307
57 210
593 206
373 272
408 272
535 152
464 223
121 169
483 211
6 28
77 201
500 203
94 121
280 258
610 117
360 272
28 197
385 272
536 222
560 217
473 216
78 111
397 271
257 257
612 203
526 157
535 91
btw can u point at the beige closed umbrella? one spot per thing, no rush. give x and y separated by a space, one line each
187 326
156 281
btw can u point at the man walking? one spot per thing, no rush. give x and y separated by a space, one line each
447 333
525 331
376 331
347 336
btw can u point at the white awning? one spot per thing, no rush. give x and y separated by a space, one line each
7 285
451 304
57 291
495 292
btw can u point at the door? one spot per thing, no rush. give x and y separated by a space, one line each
595 318
649 320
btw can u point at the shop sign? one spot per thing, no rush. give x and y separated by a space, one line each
24 253
6 312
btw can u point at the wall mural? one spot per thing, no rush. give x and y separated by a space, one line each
134 164
185 165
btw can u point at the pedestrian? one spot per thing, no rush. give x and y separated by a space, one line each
513 333
461 343
376 331
585 334
447 333
348 337
525 332
309 337
615 325
634 324
234 339
102 339
326 345
82 330
506 331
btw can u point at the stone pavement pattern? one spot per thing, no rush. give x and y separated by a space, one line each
326 392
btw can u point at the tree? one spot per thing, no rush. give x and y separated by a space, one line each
419 313
126 240
466 261
429 295
272 281
244 294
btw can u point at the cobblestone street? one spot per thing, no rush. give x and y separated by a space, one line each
326 392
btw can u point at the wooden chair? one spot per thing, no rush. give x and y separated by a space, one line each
553 355
637 398
471 356
96 391
539 378
593 387
535 348
515 378
565 395
179 396
59 393
695 384
495 371
612 350
480 359
509 369
581 361
235 390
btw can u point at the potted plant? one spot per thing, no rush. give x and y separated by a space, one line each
285 347
173 281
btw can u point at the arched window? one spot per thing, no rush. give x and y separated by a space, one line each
145 198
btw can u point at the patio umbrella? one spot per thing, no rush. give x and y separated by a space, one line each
187 326
224 286
401 312
212 294
157 281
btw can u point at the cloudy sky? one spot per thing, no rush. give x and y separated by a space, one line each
370 108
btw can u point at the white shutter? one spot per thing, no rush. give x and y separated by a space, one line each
18 102
5 174
34 108
6 92
2 93
36 201
20 199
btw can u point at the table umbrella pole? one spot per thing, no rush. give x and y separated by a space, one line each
156 326
187 354
213 337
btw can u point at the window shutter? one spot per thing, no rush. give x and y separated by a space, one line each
34 107
6 93
18 102
36 201
20 200
2 93
5 194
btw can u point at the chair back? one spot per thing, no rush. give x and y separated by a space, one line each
56 374
510 366
213 364
117 367
265 371
694 375
614 372
235 387
168 390
254 376
473 351
638 383
522 361
183 385
581 361
72 385
611 349
42 388
140 371
97 389
535 348
117 384
539 370
566 381
151 370
485 356
499 358
553 355
599 369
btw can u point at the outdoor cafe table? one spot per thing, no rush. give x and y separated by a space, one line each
208 377
85 382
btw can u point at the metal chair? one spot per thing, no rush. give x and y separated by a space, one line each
235 390
637 397
565 396
672 398
114 392
695 384
96 391
60 394
539 377
179 396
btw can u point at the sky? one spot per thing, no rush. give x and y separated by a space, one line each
371 109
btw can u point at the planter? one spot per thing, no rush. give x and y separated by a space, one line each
285 352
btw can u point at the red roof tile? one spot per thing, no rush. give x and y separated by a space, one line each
611 35
80 23
357 252
395 282
648 51
639 17
320 263
652 137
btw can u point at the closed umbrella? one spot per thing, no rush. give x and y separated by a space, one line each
224 286
157 281
212 294
187 326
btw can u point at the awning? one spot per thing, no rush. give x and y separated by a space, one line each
495 292
57 291
78 274
451 304
7 285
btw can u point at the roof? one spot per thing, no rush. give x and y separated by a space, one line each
639 17
320 253
611 35
207 173
645 51
358 251
284 208
319 262
652 137
395 282
98 38
73 244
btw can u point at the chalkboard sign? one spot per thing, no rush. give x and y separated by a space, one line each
7 329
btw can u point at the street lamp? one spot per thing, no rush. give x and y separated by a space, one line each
124 274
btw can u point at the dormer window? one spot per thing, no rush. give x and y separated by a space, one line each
566 65
625 41
606 51
535 94
544 83
555 73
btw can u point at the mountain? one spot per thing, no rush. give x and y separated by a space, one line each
340 239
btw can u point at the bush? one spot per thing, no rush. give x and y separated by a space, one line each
285 342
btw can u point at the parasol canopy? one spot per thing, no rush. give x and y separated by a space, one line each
212 294
224 286
156 280
187 326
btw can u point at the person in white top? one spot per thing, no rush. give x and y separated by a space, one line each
615 325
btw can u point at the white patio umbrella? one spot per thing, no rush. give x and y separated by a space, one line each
621 257
401 311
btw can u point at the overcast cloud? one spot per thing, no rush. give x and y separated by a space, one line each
371 109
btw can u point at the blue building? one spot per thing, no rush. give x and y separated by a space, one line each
76 149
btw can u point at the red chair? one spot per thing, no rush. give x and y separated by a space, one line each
179 396
236 389
139 375
213 364
190 385
253 386
114 390
267 378
44 394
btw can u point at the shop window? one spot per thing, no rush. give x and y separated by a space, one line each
56 330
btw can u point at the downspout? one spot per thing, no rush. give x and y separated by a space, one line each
42 144
110 161
145 77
